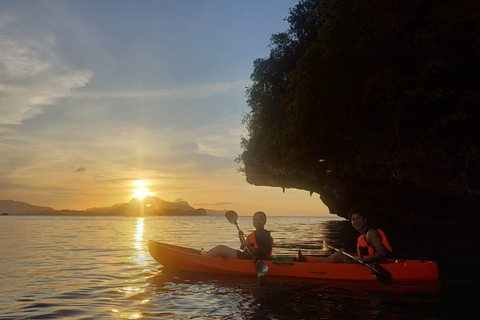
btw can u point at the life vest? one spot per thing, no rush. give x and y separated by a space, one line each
364 249
252 240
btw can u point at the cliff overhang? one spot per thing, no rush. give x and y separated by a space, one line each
422 184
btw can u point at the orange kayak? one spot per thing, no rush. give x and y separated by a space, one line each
171 256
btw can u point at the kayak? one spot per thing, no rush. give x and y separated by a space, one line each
177 257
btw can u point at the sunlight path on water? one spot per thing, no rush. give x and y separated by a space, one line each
136 287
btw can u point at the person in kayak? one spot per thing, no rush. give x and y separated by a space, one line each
260 240
372 244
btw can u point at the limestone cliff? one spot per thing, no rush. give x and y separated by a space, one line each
426 184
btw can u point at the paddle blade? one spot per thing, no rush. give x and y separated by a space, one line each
261 267
231 216
381 274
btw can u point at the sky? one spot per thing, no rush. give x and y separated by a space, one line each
104 99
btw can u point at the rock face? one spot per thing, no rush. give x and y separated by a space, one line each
423 184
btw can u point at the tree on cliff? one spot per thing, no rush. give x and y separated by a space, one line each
351 78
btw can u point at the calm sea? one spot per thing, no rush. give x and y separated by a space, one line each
100 268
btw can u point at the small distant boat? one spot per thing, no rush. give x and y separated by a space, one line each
177 257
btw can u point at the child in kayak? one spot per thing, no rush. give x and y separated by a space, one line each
372 245
260 240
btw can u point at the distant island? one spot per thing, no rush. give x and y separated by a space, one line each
149 206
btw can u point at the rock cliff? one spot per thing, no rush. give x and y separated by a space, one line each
437 184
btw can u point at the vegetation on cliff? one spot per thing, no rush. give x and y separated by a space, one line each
352 83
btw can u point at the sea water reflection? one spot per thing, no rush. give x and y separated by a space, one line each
136 286
100 268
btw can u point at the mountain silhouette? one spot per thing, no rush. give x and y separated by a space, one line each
149 206
17 207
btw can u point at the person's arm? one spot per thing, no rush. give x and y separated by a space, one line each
374 238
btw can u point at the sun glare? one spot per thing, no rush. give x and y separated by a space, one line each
141 191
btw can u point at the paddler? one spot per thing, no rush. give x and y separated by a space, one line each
260 240
372 244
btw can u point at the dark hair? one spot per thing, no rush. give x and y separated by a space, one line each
352 211
261 213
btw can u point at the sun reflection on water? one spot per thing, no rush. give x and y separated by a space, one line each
141 258
139 233
126 315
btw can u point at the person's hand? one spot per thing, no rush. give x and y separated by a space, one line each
357 259
240 233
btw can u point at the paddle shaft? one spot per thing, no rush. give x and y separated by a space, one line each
350 256
379 272
246 244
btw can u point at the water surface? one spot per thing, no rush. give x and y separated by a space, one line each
100 268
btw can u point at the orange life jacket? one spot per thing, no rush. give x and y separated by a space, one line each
253 242
364 249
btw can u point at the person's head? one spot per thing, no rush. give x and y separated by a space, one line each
259 219
358 220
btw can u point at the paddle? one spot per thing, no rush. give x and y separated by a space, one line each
261 267
379 272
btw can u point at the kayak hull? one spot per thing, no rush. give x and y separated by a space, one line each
171 256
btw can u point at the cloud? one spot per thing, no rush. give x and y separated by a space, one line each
81 170
223 146
186 92
32 76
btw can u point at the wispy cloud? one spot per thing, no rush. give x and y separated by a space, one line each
218 145
32 75
186 92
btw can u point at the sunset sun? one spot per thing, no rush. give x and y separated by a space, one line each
141 191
